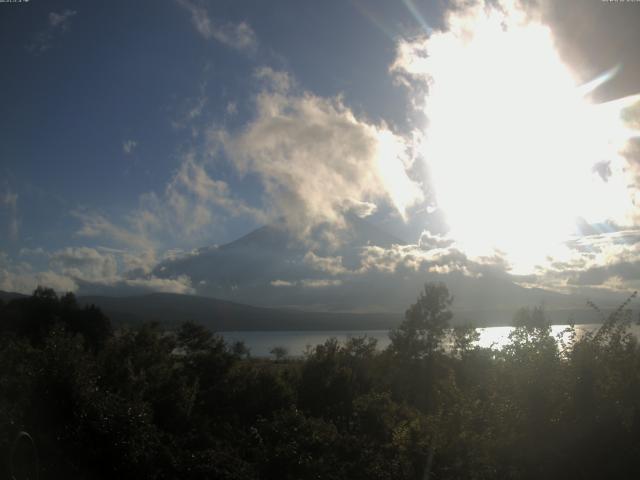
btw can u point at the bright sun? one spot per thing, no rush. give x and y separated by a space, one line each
512 138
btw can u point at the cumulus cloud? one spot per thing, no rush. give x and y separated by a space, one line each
89 270
22 278
85 263
608 261
109 270
432 254
235 35
363 209
316 159
26 281
413 258
331 265
429 240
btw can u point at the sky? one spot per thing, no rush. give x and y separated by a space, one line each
136 132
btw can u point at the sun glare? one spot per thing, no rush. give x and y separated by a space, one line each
513 140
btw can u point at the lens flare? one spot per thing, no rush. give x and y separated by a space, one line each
513 140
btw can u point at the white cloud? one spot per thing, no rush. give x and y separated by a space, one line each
90 270
150 283
363 209
609 261
27 282
429 240
316 159
86 264
128 146
57 23
236 35
138 263
416 258
307 283
425 257
331 265
320 283
97 226
281 283
21 278
275 80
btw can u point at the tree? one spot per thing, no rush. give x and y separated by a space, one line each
194 338
425 324
531 318
34 317
240 349
279 352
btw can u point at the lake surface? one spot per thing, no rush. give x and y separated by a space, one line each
296 342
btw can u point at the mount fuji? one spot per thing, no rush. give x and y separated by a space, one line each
326 271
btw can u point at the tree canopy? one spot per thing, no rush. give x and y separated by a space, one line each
146 402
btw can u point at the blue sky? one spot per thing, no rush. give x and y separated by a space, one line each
138 130
76 92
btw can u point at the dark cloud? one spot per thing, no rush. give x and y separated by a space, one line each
595 36
596 276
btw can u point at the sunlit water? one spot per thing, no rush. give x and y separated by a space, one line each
297 342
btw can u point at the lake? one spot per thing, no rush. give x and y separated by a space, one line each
260 343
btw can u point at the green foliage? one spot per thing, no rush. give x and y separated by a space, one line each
149 403
426 323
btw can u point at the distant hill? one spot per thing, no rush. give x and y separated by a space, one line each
220 315
8 296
